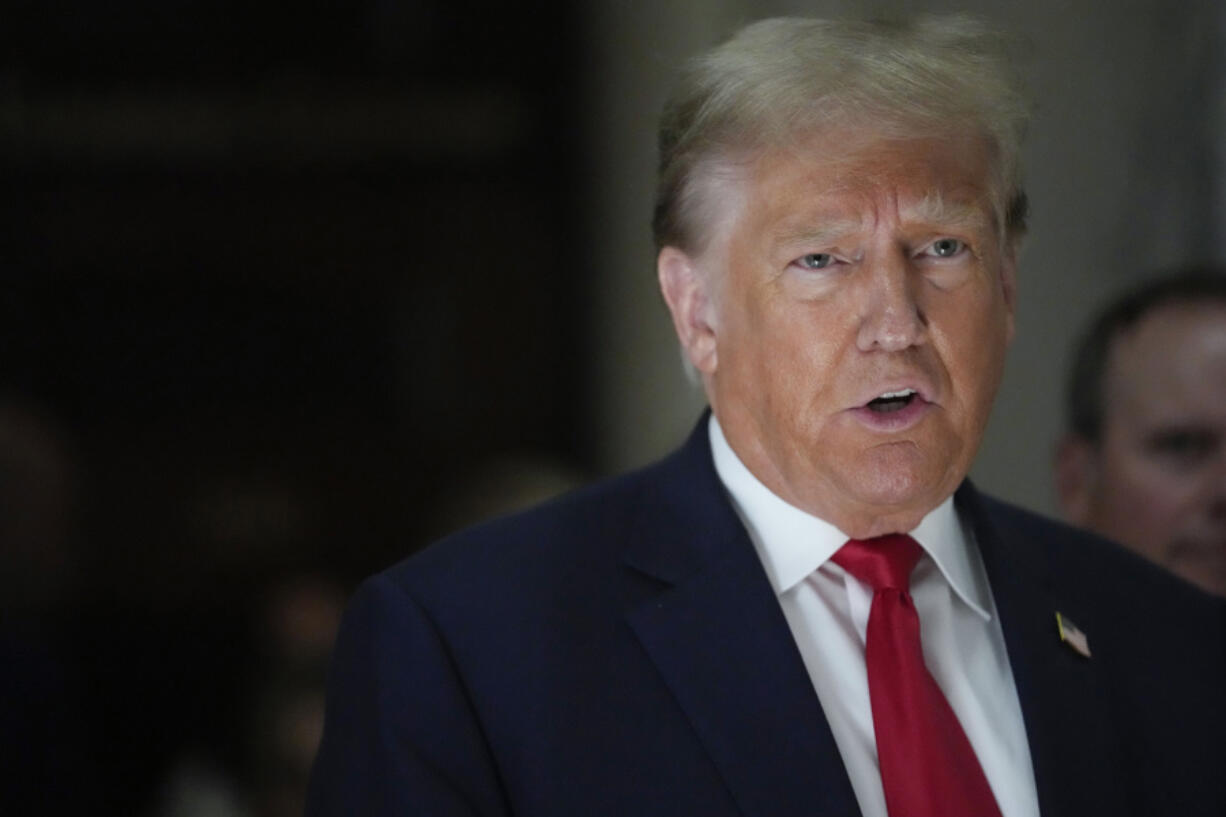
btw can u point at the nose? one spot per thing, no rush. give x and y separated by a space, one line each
892 318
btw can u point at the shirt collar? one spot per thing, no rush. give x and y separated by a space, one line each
792 543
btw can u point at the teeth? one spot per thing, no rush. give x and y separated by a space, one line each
893 395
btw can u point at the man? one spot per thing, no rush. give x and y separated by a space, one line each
736 630
1144 460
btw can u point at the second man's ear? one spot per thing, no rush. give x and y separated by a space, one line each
1075 472
687 291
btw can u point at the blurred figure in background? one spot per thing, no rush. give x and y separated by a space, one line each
300 620
37 502
293 632
1144 458
44 764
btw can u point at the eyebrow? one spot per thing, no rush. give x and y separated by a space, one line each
935 208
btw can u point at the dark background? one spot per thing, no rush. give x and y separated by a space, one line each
278 281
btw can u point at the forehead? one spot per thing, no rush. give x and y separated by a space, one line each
824 177
1172 361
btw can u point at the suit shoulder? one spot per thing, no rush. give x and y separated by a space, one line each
1092 561
579 529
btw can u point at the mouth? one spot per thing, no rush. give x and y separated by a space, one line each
892 401
894 411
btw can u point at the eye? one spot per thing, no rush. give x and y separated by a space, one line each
1183 447
815 260
945 247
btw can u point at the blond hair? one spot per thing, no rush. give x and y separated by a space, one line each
777 79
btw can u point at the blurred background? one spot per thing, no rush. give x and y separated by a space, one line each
289 292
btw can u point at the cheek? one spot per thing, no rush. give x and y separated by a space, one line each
1146 494
1165 489
786 371
791 339
790 371
972 341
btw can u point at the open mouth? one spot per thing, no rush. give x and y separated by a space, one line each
892 401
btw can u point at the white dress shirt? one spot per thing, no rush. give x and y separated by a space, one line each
827 610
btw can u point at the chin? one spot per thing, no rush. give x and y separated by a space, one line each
901 483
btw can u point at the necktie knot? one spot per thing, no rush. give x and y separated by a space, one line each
883 562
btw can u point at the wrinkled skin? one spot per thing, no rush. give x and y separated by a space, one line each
840 270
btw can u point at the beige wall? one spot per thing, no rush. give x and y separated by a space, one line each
1124 171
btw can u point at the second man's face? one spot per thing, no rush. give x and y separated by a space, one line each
853 310
1157 480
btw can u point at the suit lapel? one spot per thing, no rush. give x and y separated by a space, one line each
722 645
1073 745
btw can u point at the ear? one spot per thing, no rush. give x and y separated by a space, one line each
687 291
1076 468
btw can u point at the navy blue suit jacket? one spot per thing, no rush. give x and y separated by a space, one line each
621 652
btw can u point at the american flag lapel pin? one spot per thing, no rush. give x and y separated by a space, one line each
1071 635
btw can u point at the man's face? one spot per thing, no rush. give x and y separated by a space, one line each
1157 479
850 318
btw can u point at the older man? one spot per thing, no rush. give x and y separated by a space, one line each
1144 459
805 610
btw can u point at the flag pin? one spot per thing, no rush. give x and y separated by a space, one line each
1072 636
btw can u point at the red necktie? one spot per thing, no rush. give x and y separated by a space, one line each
928 767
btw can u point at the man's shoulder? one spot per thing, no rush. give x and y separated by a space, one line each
594 512
576 538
